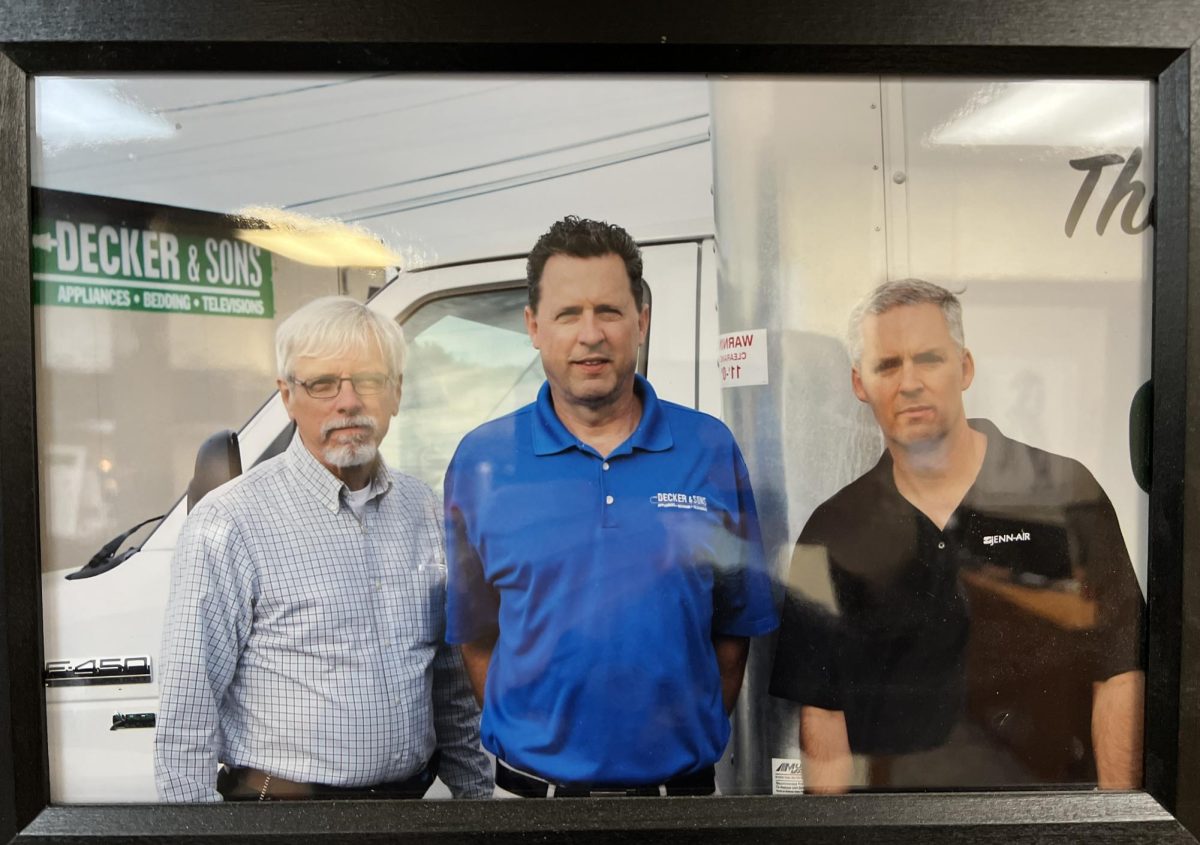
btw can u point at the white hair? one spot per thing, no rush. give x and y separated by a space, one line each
333 326
891 295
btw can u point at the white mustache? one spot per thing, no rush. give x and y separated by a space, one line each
362 421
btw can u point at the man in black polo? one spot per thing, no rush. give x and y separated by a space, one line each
985 628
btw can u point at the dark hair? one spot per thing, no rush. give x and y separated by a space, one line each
582 238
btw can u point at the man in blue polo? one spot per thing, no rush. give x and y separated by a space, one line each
605 563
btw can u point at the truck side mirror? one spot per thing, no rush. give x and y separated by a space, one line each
217 460
1141 416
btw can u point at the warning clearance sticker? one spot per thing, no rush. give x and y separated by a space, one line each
90 265
742 358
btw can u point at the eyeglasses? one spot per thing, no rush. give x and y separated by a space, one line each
327 387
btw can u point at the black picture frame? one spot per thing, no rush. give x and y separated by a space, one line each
1153 39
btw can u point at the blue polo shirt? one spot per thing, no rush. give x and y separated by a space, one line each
607 580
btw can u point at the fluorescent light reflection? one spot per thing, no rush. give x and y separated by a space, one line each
1049 114
317 241
91 113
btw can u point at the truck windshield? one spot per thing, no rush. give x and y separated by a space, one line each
469 361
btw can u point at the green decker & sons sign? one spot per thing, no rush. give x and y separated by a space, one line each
95 265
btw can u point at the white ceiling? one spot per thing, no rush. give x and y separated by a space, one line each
447 168
442 168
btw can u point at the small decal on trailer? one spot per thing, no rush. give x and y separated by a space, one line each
787 776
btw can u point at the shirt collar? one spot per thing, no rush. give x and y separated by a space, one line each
324 485
995 456
995 459
653 432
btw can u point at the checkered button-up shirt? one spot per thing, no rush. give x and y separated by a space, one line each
307 641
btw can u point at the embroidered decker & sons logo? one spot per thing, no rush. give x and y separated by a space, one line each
682 501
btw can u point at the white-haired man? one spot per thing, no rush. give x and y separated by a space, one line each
303 649
987 628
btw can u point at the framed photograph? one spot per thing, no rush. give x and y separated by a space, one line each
1037 165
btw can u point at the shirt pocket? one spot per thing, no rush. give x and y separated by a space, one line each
429 584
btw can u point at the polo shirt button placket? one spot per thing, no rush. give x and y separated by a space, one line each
608 519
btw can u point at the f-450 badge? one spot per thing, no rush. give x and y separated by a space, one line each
97 670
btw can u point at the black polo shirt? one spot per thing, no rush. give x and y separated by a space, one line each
1003 619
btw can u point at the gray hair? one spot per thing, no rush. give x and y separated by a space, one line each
891 295
336 325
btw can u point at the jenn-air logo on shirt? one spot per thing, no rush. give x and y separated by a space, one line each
996 539
682 501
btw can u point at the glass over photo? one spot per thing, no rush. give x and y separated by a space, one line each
546 437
